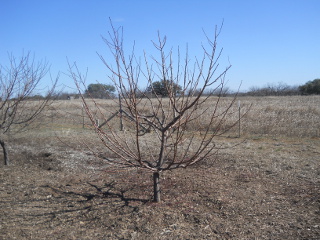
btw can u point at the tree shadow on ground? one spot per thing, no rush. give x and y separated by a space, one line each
68 204
107 191
112 192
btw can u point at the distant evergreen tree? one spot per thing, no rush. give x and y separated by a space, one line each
161 88
311 87
100 90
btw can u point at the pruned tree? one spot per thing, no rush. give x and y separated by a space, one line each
18 87
173 140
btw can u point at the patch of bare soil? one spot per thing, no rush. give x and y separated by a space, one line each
261 189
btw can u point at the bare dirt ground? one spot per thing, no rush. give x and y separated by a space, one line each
264 188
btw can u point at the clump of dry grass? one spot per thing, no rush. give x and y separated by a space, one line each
291 116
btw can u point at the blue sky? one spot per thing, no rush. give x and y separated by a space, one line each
265 41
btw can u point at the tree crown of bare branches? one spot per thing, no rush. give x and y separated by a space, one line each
18 82
160 138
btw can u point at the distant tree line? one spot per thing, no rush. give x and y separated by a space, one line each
161 89
282 89
102 91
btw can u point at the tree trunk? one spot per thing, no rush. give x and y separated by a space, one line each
156 187
5 153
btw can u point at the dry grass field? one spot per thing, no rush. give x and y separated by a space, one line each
263 185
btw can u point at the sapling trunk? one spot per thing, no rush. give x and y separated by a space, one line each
156 187
5 153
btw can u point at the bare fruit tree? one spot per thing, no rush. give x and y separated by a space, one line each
19 104
163 135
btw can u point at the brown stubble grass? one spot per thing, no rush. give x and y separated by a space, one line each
267 187
291 116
